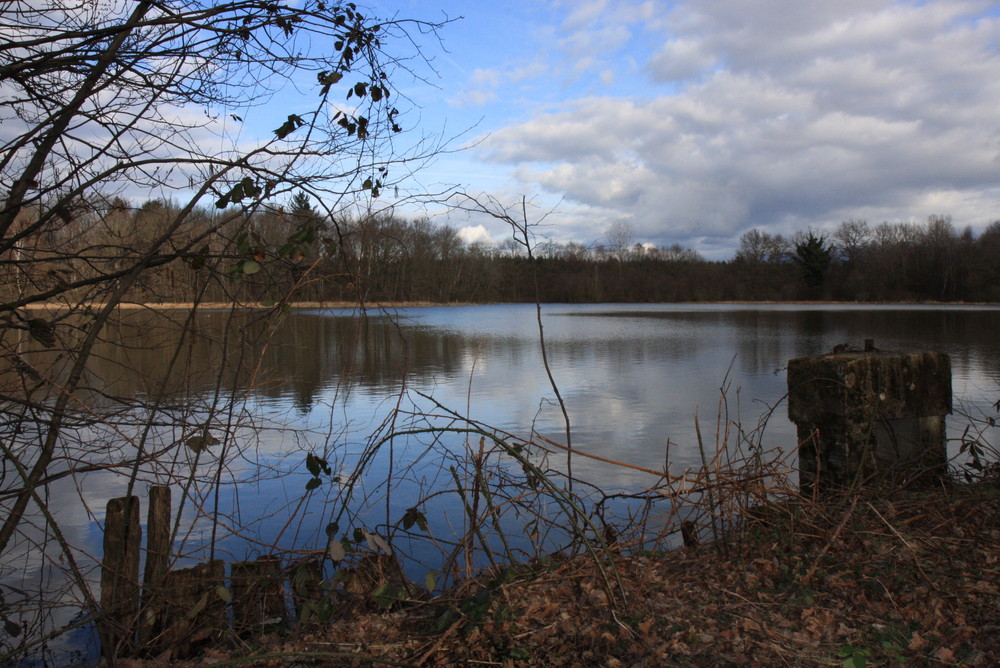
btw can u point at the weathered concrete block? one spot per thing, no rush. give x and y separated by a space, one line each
853 385
871 414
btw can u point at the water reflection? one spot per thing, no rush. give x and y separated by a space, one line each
634 377
272 387
644 371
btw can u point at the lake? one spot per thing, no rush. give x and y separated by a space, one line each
408 399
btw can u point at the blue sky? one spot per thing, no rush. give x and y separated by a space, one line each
699 120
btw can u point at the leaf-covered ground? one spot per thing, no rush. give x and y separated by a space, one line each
910 579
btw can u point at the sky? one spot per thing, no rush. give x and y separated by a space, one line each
696 121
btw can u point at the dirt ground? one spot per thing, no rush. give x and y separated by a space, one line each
907 579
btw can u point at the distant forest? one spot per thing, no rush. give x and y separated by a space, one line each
297 254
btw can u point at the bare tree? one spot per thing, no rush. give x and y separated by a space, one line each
105 104
851 237
757 246
620 237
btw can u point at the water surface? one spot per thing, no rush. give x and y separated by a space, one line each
634 379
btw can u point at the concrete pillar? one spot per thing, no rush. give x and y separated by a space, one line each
864 416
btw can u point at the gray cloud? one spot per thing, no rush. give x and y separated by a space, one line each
780 114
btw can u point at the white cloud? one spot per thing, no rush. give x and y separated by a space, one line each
773 113
475 234
584 13
481 89
681 59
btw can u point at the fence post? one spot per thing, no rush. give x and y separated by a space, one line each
194 610
120 577
307 587
258 591
158 550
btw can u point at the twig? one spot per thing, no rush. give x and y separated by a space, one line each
440 641
913 553
826 548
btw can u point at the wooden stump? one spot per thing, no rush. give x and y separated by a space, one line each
194 608
307 587
120 577
258 591
157 563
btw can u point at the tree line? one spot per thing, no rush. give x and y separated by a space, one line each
296 253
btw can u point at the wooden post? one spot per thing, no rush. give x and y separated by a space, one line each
689 533
120 577
307 586
157 563
195 608
258 591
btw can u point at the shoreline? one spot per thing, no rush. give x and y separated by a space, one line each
891 578
174 306
252 306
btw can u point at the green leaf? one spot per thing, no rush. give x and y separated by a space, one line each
250 267
224 594
293 123
201 442
243 189
386 595
447 618
198 261
42 332
376 542
414 516
853 657
330 78
430 581
251 189
198 607
327 79
336 550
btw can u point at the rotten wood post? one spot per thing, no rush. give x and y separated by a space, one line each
689 533
258 590
194 608
307 587
120 577
158 550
